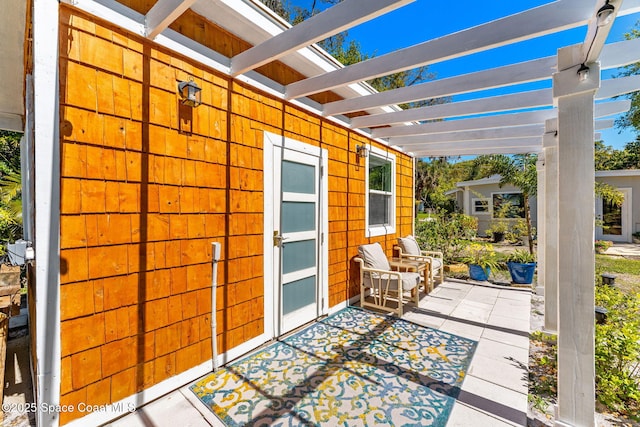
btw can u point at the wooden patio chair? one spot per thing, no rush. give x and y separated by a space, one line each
408 248
377 277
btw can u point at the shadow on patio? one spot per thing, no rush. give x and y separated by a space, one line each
468 367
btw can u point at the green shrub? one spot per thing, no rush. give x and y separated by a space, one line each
618 351
449 233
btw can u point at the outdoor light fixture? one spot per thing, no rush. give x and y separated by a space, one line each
190 93
605 14
362 151
583 72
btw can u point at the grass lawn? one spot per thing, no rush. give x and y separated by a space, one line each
627 271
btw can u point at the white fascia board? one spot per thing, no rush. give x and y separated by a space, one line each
523 72
611 88
112 11
471 135
515 101
629 7
333 20
539 21
162 14
503 120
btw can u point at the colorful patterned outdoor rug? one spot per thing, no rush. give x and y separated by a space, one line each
352 368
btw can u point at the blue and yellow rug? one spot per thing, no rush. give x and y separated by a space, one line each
352 368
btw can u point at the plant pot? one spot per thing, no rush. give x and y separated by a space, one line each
498 236
478 273
522 273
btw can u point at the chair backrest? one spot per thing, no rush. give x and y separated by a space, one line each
374 257
409 245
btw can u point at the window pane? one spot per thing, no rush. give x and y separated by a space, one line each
508 205
611 219
379 174
298 294
298 178
379 209
298 255
298 216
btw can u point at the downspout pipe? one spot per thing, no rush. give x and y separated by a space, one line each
214 286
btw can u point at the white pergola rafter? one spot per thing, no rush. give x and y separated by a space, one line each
342 16
536 22
502 120
162 14
515 101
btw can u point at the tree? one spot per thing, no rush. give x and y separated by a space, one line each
10 188
631 119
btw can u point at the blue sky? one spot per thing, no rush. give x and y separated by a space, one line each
423 20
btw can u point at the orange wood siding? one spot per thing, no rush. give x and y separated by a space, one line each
147 185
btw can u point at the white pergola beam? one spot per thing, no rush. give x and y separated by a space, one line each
546 19
162 14
621 86
515 101
503 120
471 135
613 55
489 143
523 72
465 151
338 18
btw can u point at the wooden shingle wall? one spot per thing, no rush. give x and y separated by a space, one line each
147 184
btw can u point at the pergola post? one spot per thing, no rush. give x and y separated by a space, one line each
550 144
574 95
541 225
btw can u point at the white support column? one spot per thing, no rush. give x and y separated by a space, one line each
576 176
550 144
47 207
540 225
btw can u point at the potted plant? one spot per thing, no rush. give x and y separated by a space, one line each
521 265
636 237
480 258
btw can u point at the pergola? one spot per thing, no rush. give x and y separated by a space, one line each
562 136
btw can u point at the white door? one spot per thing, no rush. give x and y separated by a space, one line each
298 260
615 220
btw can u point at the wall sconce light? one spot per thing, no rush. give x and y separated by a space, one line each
362 151
583 72
190 93
605 14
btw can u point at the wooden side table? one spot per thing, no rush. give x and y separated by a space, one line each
404 264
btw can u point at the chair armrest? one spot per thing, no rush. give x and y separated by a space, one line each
374 270
433 254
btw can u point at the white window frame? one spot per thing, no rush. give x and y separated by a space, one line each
381 230
506 192
489 210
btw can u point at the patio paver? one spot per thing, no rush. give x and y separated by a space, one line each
494 392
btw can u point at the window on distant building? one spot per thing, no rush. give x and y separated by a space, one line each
508 205
380 183
480 206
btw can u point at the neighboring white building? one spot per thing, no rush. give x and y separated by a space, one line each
480 197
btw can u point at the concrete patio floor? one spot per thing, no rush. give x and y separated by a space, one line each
494 392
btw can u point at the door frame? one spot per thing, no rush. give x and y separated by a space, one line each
271 141
626 217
